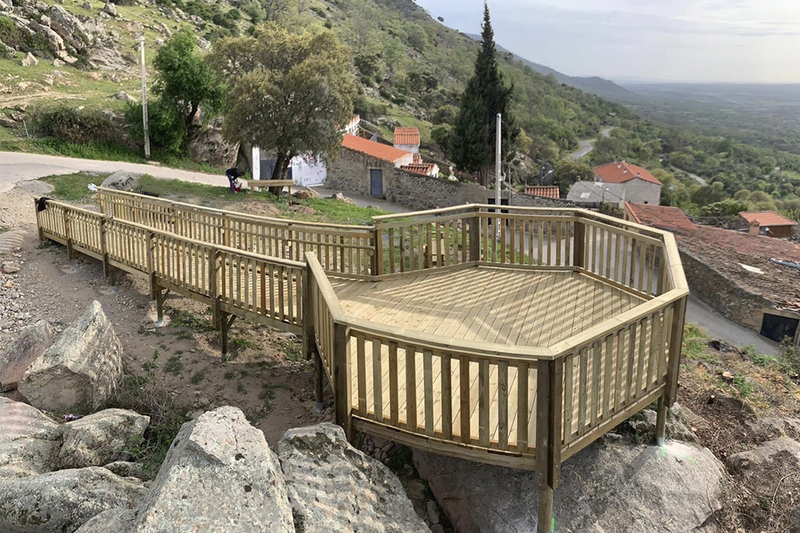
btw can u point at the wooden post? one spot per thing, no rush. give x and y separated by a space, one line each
151 262
377 257
579 245
319 382
160 297
226 321
661 421
213 289
341 379
70 251
675 345
104 248
543 455
555 423
308 318
38 219
475 236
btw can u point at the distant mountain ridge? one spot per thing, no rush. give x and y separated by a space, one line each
591 84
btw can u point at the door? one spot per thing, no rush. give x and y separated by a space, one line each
777 327
376 182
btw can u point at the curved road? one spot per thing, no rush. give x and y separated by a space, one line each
18 166
587 145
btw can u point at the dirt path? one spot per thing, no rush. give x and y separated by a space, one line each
267 377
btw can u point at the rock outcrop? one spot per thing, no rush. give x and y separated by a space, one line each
29 441
101 438
29 346
219 475
112 521
122 181
334 487
210 147
63 501
80 371
611 485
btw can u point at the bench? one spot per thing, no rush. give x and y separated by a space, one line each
266 184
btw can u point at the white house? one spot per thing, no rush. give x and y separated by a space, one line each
406 139
305 170
641 187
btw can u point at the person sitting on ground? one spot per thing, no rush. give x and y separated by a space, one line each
233 174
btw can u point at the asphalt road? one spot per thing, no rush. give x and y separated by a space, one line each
17 166
587 145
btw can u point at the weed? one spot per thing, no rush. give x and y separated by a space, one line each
149 366
241 343
230 374
293 351
174 365
156 353
240 388
166 417
244 373
744 387
186 319
198 377
267 394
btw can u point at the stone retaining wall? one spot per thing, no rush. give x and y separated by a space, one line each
350 173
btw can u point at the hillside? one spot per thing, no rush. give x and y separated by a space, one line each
411 67
591 84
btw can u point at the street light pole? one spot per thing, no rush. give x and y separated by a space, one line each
144 102
498 152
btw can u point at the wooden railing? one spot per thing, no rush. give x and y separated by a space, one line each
262 289
518 406
345 249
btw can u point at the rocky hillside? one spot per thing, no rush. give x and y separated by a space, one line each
411 68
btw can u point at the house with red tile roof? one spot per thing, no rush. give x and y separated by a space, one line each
407 139
426 169
659 216
767 223
546 191
640 186
377 150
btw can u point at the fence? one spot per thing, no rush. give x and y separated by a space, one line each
343 249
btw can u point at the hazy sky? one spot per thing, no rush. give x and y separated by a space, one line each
674 40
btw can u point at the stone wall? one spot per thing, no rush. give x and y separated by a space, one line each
639 191
351 173
723 294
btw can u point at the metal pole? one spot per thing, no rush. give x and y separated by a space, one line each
497 193
144 102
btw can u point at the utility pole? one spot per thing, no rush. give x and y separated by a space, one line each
144 102
498 151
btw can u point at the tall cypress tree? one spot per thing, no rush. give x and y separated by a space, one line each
473 138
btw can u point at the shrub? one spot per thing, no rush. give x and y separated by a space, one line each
21 40
76 126
167 128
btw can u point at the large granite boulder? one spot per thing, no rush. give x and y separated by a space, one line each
29 346
102 438
80 371
335 487
612 485
117 520
212 148
63 501
29 441
760 469
218 476
122 181
69 27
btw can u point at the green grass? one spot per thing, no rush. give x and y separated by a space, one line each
241 343
174 365
695 343
73 187
187 319
198 377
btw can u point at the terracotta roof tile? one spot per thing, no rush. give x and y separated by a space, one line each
620 172
419 168
767 218
377 150
548 191
661 217
406 136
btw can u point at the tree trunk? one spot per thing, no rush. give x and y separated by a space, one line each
279 172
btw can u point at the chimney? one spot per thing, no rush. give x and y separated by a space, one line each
624 171
619 165
755 228
638 174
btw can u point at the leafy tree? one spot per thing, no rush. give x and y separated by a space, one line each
184 81
725 208
367 64
709 194
289 93
486 95
568 172
445 114
417 37
440 134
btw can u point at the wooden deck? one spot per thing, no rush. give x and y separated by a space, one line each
516 307
485 304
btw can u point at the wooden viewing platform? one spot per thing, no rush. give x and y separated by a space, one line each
514 338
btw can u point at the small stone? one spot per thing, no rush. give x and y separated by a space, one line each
58 63
87 6
29 60
110 9
10 268
433 511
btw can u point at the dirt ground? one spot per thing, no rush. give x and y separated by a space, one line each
266 375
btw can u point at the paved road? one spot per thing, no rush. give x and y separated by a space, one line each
587 145
719 327
698 179
17 166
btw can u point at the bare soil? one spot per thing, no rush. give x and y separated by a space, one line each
266 375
